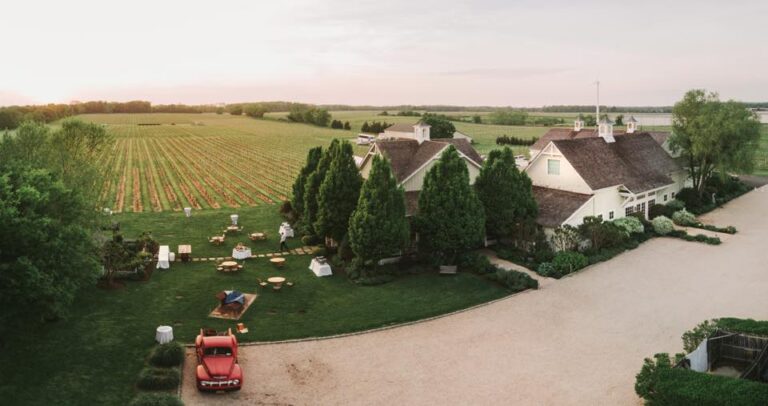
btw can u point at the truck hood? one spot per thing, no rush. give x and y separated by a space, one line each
218 367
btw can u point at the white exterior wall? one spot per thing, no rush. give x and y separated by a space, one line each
568 179
416 182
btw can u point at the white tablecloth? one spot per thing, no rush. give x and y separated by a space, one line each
320 269
246 253
286 229
164 334
162 257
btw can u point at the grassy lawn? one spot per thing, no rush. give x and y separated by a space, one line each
95 355
761 157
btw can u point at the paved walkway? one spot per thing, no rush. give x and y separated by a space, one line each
576 341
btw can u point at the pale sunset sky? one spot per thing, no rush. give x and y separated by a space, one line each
517 53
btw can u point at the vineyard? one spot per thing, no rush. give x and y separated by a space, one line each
165 162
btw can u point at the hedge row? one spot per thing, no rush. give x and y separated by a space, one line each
746 326
677 386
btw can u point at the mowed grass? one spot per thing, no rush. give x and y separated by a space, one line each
484 135
202 160
94 356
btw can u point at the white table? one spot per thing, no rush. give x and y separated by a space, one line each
164 334
320 269
286 229
163 260
241 254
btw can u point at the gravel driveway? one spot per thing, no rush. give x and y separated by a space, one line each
576 341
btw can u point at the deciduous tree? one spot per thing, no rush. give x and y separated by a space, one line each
440 127
712 135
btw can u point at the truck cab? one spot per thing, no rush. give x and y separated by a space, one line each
217 366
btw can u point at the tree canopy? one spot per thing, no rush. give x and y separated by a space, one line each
312 188
451 218
440 127
713 135
506 194
338 194
378 227
313 158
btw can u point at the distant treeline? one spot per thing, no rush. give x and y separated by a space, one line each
374 127
507 140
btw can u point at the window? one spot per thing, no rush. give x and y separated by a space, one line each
600 216
652 193
651 202
665 197
553 167
629 210
673 195
610 215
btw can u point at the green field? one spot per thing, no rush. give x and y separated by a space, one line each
94 356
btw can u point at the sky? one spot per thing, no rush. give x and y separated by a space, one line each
500 53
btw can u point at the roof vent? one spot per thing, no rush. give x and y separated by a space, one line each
605 130
631 125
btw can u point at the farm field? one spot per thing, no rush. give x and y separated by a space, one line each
166 162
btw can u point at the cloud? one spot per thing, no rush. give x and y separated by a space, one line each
504 72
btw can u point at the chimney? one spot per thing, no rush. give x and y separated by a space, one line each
578 124
631 125
605 130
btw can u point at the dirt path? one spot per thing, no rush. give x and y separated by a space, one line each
577 341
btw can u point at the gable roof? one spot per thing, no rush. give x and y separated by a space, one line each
556 206
407 156
568 134
636 161
400 128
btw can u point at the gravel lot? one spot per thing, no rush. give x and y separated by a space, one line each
576 341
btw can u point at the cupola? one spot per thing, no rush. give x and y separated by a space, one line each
605 130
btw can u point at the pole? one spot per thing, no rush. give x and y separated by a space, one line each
597 118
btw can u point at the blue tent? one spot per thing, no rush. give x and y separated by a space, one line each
234 296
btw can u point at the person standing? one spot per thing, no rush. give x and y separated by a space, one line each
283 244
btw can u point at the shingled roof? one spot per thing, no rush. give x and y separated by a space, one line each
400 128
636 161
406 155
555 206
569 134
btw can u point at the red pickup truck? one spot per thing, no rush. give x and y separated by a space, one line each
217 367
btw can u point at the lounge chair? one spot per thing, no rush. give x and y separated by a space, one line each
289 284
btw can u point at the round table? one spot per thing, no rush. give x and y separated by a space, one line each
233 228
276 280
164 334
241 254
278 261
258 236
229 264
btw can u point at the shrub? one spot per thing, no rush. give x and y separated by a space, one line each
692 338
514 280
475 263
167 355
747 326
675 205
562 264
660 210
630 225
684 218
677 386
156 399
662 225
152 378
546 269
690 198
566 238
601 234
647 378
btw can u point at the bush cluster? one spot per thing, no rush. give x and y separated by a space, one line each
152 378
507 140
514 280
695 238
724 190
564 263
167 355
475 263
662 225
630 225
684 218
156 399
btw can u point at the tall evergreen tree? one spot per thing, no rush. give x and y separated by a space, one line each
312 187
506 194
338 195
378 227
451 218
299 185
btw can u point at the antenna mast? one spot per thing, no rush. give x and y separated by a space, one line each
597 118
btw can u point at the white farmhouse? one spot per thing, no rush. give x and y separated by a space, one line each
412 154
579 173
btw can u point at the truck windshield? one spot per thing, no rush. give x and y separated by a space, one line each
218 351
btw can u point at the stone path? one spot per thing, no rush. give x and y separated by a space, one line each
306 250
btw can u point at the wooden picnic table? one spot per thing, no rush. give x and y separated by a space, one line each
278 261
276 280
218 239
257 236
